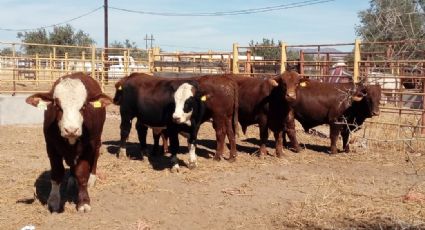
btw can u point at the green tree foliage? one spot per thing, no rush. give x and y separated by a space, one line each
135 52
61 35
268 53
394 20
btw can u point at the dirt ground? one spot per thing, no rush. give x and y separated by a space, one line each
366 189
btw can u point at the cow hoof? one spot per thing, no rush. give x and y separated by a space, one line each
232 159
217 158
193 165
92 180
53 203
175 168
122 153
84 208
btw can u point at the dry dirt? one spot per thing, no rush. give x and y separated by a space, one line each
366 189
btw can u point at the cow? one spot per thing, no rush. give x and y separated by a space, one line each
151 101
73 123
219 95
156 132
263 101
359 111
335 104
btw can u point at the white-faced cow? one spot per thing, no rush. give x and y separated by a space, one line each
151 101
73 124
219 93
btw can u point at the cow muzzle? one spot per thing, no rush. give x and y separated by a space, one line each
291 96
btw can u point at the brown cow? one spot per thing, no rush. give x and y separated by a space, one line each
73 124
333 103
263 101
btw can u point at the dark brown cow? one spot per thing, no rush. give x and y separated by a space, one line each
263 101
73 124
334 104
156 132
220 95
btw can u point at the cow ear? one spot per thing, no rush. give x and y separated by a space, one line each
272 82
205 97
118 85
100 101
40 100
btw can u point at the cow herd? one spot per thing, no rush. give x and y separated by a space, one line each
75 114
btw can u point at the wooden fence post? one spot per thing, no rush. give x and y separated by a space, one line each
83 59
15 63
301 67
235 63
66 65
37 68
356 60
248 62
283 58
93 61
126 59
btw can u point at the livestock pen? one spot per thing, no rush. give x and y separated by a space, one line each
397 66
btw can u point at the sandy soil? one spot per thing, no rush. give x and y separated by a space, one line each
368 188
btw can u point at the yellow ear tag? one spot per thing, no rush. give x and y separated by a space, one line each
97 104
303 84
42 105
120 88
204 98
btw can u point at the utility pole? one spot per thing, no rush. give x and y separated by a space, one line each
105 7
147 39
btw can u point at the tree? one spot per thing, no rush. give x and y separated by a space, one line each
394 20
61 35
132 47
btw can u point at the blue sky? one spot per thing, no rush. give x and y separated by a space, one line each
329 22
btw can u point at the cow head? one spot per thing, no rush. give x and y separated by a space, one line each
68 101
291 81
373 98
188 99
369 96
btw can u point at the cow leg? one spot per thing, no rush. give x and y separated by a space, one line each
93 166
345 133
290 131
334 134
264 136
174 148
232 140
278 136
142 132
125 132
57 174
220 134
155 148
164 137
82 173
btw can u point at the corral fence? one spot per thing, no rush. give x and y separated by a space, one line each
399 67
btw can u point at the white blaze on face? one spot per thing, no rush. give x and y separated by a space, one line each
71 94
184 92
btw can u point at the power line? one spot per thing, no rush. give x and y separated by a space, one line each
228 13
56 24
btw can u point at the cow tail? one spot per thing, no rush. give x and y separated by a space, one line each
236 111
